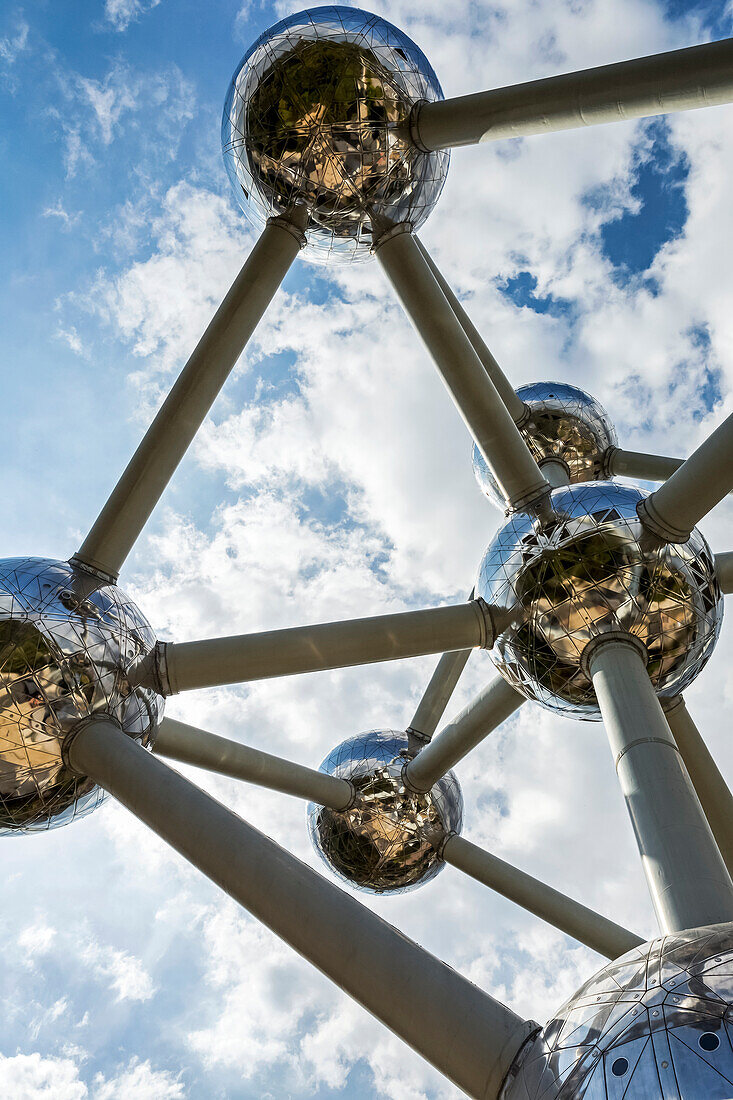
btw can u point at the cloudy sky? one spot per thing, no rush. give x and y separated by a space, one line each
332 479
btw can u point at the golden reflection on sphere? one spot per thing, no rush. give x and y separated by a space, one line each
67 643
385 842
318 114
564 423
559 585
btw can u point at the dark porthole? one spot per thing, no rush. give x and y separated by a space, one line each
619 1067
709 1041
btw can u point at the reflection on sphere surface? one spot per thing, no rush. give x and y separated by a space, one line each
318 114
564 423
560 584
385 842
654 1024
67 643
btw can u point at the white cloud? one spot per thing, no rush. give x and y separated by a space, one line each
126 974
139 1081
120 13
68 221
32 1077
15 43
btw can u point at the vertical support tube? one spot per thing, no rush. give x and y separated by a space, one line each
464 1033
572 918
495 433
686 875
190 745
481 717
167 439
556 471
693 490
515 406
712 790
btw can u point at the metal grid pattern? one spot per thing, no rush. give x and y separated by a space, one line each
565 423
654 1025
67 643
318 114
558 585
387 841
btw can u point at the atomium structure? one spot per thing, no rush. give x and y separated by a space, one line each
596 599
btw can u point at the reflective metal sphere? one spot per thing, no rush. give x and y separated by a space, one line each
318 114
382 844
656 1024
561 584
67 641
565 423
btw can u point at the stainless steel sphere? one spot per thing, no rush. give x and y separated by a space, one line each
318 114
557 586
385 842
657 1024
67 641
564 423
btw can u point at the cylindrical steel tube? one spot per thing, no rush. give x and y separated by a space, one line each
572 918
236 660
190 745
495 433
516 407
640 465
556 472
685 872
700 483
681 80
724 571
712 790
466 1034
483 714
437 695
167 439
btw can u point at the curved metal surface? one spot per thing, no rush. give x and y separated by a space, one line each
559 585
564 423
67 643
318 114
386 841
654 1025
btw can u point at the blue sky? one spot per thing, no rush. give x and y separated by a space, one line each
333 478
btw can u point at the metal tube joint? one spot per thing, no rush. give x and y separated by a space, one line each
656 525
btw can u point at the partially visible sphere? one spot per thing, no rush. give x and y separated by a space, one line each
565 423
385 842
558 585
654 1025
317 114
67 643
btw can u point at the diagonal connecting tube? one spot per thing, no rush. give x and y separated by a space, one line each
712 790
693 490
215 661
482 716
681 80
190 745
127 510
463 1032
515 405
475 395
572 918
